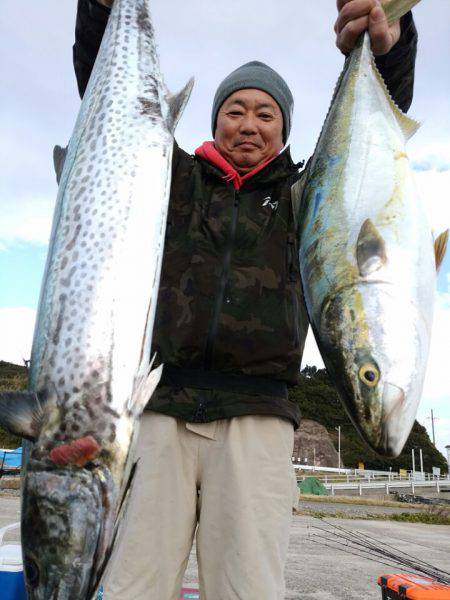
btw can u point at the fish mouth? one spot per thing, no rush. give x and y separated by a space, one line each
392 421
388 433
393 400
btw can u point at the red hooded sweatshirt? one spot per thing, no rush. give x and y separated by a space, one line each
208 151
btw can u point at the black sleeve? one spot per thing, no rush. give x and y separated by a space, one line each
92 18
397 66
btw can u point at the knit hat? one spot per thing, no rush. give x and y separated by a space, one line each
256 75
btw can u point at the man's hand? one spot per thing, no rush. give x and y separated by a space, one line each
356 16
107 3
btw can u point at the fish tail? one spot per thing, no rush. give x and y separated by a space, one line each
408 125
394 9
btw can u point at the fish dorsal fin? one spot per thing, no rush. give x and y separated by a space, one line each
99 575
177 103
370 249
21 413
59 158
394 9
440 247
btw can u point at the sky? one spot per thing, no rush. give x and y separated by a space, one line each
39 104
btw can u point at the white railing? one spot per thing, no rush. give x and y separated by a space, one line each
412 484
359 475
321 469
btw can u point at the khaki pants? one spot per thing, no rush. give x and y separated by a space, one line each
232 478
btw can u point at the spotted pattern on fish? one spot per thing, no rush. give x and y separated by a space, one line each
93 219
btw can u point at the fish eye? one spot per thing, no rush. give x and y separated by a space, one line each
369 374
31 572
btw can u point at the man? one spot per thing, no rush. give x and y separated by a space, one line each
216 442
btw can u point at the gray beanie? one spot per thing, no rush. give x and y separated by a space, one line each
256 75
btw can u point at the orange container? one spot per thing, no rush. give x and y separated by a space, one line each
412 587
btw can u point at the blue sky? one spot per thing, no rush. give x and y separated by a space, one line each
39 103
21 268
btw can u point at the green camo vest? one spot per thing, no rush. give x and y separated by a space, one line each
230 322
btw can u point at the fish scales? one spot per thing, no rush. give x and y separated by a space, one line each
366 256
89 373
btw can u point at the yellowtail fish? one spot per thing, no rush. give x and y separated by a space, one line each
367 259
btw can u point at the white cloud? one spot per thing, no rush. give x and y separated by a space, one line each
16 327
429 157
433 185
436 392
311 354
27 220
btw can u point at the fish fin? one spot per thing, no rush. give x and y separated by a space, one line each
440 247
394 9
177 103
100 574
297 191
408 125
21 413
59 158
144 388
370 249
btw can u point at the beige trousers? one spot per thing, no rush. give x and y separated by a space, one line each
230 483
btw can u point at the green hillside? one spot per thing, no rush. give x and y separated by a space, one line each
319 401
12 377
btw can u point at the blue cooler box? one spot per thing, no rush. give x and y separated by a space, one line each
12 585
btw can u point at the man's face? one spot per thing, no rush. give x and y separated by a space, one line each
249 129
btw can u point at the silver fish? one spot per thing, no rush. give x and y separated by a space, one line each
90 377
366 254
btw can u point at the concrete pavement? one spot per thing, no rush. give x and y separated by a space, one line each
316 572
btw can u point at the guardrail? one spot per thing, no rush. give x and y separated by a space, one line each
335 475
8 460
412 484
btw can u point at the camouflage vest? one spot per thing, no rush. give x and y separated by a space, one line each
230 322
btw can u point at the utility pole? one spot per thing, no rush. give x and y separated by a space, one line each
413 464
422 476
338 429
432 427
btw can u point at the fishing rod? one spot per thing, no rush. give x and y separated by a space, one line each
380 558
374 551
360 554
364 547
365 538
410 562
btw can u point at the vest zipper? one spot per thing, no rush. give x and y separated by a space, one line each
222 285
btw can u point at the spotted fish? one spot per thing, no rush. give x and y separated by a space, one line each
366 254
90 377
